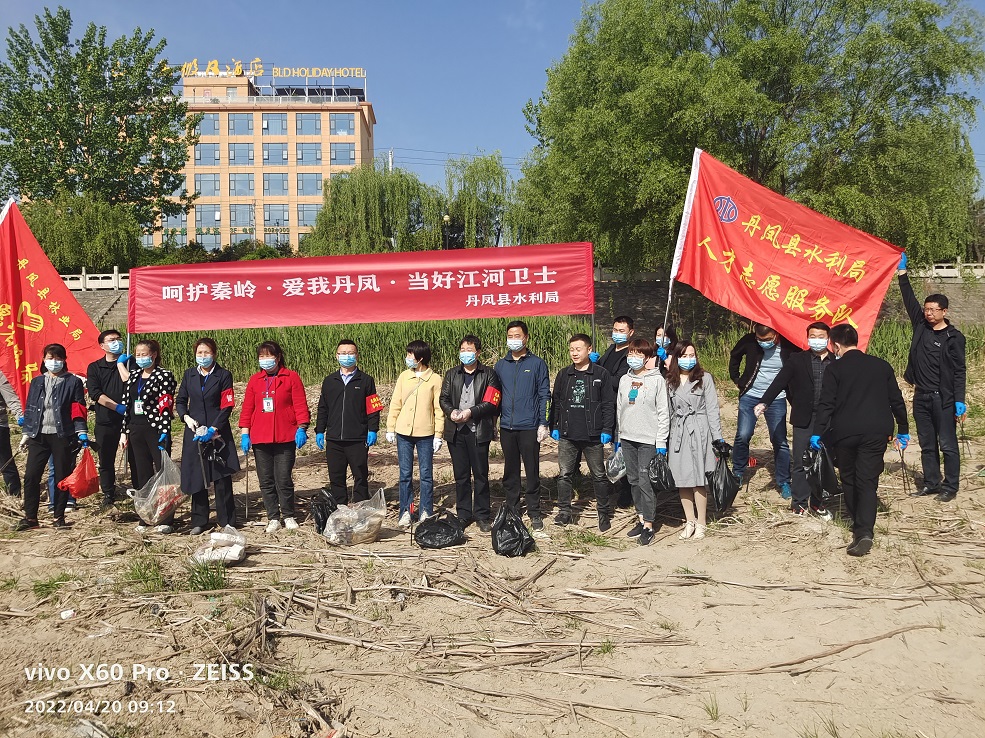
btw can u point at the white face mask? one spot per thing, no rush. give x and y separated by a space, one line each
514 344
635 362
817 344
54 365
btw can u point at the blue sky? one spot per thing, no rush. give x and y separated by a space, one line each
446 77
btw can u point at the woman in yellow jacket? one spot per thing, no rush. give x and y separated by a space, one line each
415 420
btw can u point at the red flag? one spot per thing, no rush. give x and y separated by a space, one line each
36 308
775 261
553 279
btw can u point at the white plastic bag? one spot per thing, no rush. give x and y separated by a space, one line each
227 546
615 466
161 495
357 523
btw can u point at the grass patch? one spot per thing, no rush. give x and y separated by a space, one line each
606 647
46 587
281 680
808 731
582 540
8 584
206 576
710 707
143 573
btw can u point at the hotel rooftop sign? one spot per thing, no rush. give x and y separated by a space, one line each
257 69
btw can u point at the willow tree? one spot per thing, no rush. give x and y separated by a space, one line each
480 195
371 208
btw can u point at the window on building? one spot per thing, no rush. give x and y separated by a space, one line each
147 239
309 124
209 241
275 155
231 92
342 124
175 229
307 214
241 184
276 215
174 237
240 124
209 125
181 189
240 155
309 183
343 154
207 184
207 155
309 155
274 124
240 237
207 216
276 239
274 183
241 216
175 221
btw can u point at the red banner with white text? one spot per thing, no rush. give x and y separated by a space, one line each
36 308
554 279
776 261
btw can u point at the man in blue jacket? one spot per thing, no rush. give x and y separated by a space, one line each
526 387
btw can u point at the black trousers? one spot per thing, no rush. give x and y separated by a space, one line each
567 457
38 451
938 433
860 461
517 445
801 489
108 438
10 475
145 458
275 466
342 456
470 462
225 508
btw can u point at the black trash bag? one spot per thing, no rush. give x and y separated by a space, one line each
323 505
722 483
510 536
821 475
660 475
441 531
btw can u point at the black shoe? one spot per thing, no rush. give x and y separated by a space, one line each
484 526
196 531
562 519
604 523
636 531
926 491
536 523
466 522
106 507
645 537
860 547
26 524
946 496
60 523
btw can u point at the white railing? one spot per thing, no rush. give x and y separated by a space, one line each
86 282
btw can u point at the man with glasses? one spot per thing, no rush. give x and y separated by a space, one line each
936 369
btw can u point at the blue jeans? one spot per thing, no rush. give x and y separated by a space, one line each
776 421
405 458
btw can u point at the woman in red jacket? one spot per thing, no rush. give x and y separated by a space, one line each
274 421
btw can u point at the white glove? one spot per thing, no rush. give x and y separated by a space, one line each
124 440
437 444
191 423
23 442
391 437
542 433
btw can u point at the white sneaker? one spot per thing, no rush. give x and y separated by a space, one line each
140 528
291 524
823 513
164 529
688 530
424 516
273 526
404 521
699 532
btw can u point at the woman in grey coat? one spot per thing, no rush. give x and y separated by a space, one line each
694 425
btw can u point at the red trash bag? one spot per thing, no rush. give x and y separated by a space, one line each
84 479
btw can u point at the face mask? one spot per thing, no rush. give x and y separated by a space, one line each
619 337
635 362
514 344
346 360
204 361
664 341
115 347
267 364
687 364
817 344
54 365
411 363
144 361
766 345
466 357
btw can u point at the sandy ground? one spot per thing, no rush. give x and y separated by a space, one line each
764 628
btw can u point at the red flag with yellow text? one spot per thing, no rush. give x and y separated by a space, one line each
36 308
776 261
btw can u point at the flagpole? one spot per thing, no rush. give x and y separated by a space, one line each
692 186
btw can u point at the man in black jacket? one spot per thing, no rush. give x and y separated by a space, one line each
859 400
104 382
470 398
801 378
764 352
936 369
582 418
613 359
347 423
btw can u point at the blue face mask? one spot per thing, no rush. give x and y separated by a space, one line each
635 362
346 360
514 344
54 365
145 362
115 347
619 337
466 357
766 345
410 362
267 364
204 361
663 341
817 344
687 364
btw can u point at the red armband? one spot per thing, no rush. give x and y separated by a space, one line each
78 411
166 402
373 404
228 399
492 395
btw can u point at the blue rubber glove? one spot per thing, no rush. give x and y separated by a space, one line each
244 443
207 436
300 438
556 435
606 438
84 437
20 420
904 439
960 409
371 438
121 409
815 442
902 261
593 356
320 441
661 353
162 440
123 359
661 451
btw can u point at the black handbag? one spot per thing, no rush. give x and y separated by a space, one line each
660 475
441 531
510 536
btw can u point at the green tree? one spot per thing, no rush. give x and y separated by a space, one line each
853 108
80 231
84 115
480 194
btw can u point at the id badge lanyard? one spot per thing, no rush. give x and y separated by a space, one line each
138 404
268 400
